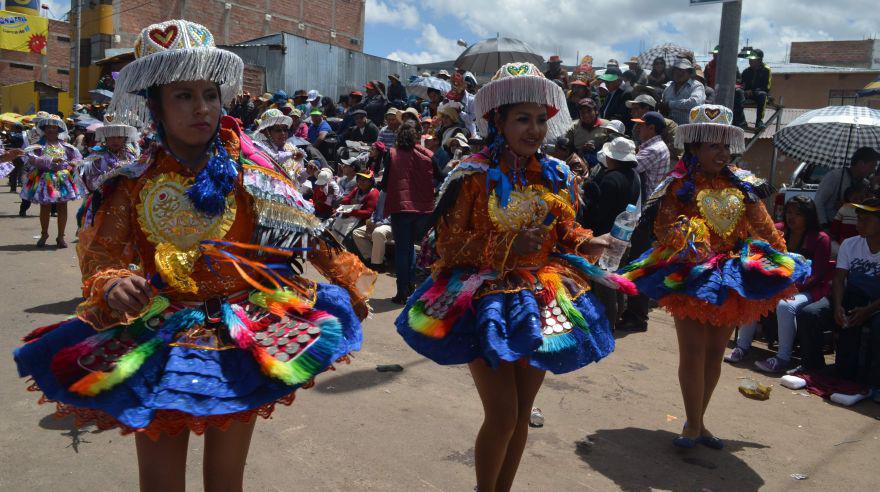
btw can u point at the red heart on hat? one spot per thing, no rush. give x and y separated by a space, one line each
164 37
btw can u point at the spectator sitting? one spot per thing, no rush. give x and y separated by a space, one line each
378 159
363 130
410 114
829 196
365 197
586 136
638 74
854 304
435 97
396 90
615 128
756 82
298 128
699 77
454 147
683 94
409 184
354 103
561 150
349 169
376 103
844 224
373 237
803 236
388 133
659 75
326 194
319 129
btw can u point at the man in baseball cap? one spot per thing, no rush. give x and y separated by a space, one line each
756 82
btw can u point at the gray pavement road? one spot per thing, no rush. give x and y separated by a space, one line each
609 426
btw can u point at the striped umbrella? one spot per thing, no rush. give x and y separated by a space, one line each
829 136
669 52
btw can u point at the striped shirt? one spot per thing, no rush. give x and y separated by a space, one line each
388 137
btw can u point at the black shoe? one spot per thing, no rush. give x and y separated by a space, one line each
632 326
378 268
399 299
760 125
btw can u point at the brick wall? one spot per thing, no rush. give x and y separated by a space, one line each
245 20
17 67
833 53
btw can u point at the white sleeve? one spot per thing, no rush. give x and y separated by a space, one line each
845 253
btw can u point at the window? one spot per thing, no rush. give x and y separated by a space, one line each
845 97
63 39
63 71
20 66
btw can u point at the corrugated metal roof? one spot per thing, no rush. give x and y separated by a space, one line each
788 115
791 68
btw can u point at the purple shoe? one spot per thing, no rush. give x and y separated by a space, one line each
772 365
736 355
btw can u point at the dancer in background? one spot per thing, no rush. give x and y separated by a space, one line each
719 260
52 179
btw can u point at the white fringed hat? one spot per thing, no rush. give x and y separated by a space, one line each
113 128
173 51
516 83
272 117
711 123
51 120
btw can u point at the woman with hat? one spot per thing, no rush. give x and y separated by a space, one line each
117 148
52 180
379 158
718 262
510 295
271 137
194 318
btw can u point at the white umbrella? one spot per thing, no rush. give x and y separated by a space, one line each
829 136
419 86
669 52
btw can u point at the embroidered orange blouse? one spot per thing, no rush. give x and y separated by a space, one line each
116 241
754 223
468 237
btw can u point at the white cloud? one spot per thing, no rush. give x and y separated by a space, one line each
434 47
569 27
397 13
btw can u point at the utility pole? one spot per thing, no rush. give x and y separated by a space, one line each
77 49
728 38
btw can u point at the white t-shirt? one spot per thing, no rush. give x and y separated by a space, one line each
862 266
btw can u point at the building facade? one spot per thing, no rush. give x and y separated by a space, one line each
111 26
52 69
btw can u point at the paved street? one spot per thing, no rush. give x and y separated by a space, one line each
359 429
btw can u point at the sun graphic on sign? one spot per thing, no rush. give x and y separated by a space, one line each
37 43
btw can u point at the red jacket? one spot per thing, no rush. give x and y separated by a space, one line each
409 181
368 203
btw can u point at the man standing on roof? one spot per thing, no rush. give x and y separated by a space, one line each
756 82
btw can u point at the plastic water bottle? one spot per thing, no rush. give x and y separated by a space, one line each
621 233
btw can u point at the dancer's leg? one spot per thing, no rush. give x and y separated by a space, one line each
498 392
161 463
691 367
528 382
226 455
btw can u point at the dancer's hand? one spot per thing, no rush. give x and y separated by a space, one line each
129 295
528 241
595 246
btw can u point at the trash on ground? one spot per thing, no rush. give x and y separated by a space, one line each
753 389
537 418
799 476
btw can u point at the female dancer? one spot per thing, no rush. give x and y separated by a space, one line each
271 137
719 261
187 324
510 294
51 180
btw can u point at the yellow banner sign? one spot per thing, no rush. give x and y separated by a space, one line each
21 32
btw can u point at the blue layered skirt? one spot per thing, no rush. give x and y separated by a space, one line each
168 373
552 322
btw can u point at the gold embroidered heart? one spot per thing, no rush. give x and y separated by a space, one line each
712 113
526 208
722 209
168 216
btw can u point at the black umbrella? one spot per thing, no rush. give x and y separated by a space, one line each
487 56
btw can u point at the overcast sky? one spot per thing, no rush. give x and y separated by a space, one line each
426 30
